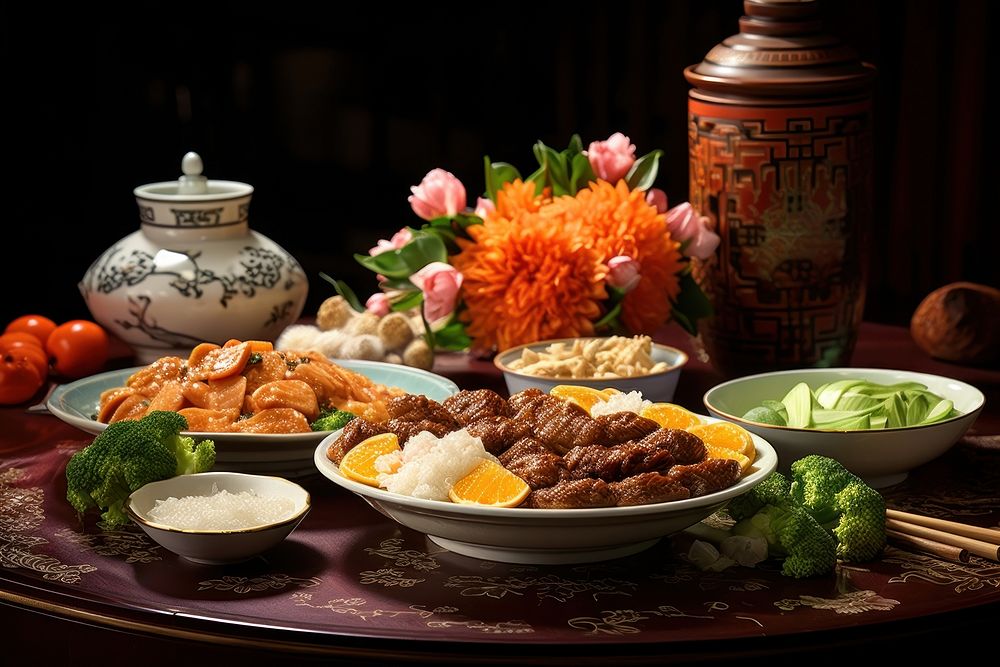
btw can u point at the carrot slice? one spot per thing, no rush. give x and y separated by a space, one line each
196 393
227 394
212 421
110 400
170 397
273 420
222 362
261 345
199 352
133 407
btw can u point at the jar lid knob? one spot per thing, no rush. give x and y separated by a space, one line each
192 182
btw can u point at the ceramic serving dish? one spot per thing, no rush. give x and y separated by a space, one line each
288 455
546 536
882 457
657 387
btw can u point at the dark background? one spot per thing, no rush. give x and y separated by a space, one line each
331 116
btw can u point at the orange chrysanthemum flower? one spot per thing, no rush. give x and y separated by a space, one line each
613 220
525 279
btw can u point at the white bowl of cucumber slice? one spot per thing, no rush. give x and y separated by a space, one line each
879 423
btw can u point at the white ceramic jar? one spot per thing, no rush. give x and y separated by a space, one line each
194 271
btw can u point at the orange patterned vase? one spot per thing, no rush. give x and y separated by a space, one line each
779 127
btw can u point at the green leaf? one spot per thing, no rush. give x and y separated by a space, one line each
691 305
452 337
421 251
555 168
466 220
539 177
575 146
389 264
581 173
643 172
407 301
402 284
343 290
498 173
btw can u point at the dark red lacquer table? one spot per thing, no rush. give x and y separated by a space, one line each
351 586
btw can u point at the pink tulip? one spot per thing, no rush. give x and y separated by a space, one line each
611 159
623 272
440 284
440 194
691 230
484 207
398 240
378 303
657 198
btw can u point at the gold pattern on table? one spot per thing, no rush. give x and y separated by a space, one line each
392 549
388 577
134 546
545 586
626 621
855 602
21 514
257 584
972 576
438 618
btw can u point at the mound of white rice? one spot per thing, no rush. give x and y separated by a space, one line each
630 402
431 465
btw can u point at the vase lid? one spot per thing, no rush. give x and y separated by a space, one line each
781 50
192 185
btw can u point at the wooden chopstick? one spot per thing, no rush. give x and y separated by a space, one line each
953 527
985 549
945 551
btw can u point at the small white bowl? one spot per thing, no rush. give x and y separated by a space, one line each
882 457
217 546
657 387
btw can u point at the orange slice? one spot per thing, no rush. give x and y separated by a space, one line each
668 415
491 484
715 452
585 397
610 391
727 435
359 462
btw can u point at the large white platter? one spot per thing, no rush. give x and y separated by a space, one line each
546 536
286 455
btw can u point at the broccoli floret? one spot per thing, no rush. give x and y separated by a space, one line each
332 420
841 502
793 535
129 454
773 490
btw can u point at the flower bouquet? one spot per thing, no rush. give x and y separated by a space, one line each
584 245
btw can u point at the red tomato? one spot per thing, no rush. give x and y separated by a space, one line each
79 348
38 326
34 354
19 379
13 339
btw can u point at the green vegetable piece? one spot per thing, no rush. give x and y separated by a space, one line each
763 415
829 395
895 410
332 420
777 406
799 403
943 410
916 409
128 455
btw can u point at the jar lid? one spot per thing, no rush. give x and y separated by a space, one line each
192 186
781 50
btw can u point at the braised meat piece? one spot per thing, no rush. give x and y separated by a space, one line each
707 476
468 407
621 427
683 446
497 432
522 447
573 494
405 430
615 463
356 431
646 488
417 408
557 424
540 470
523 398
